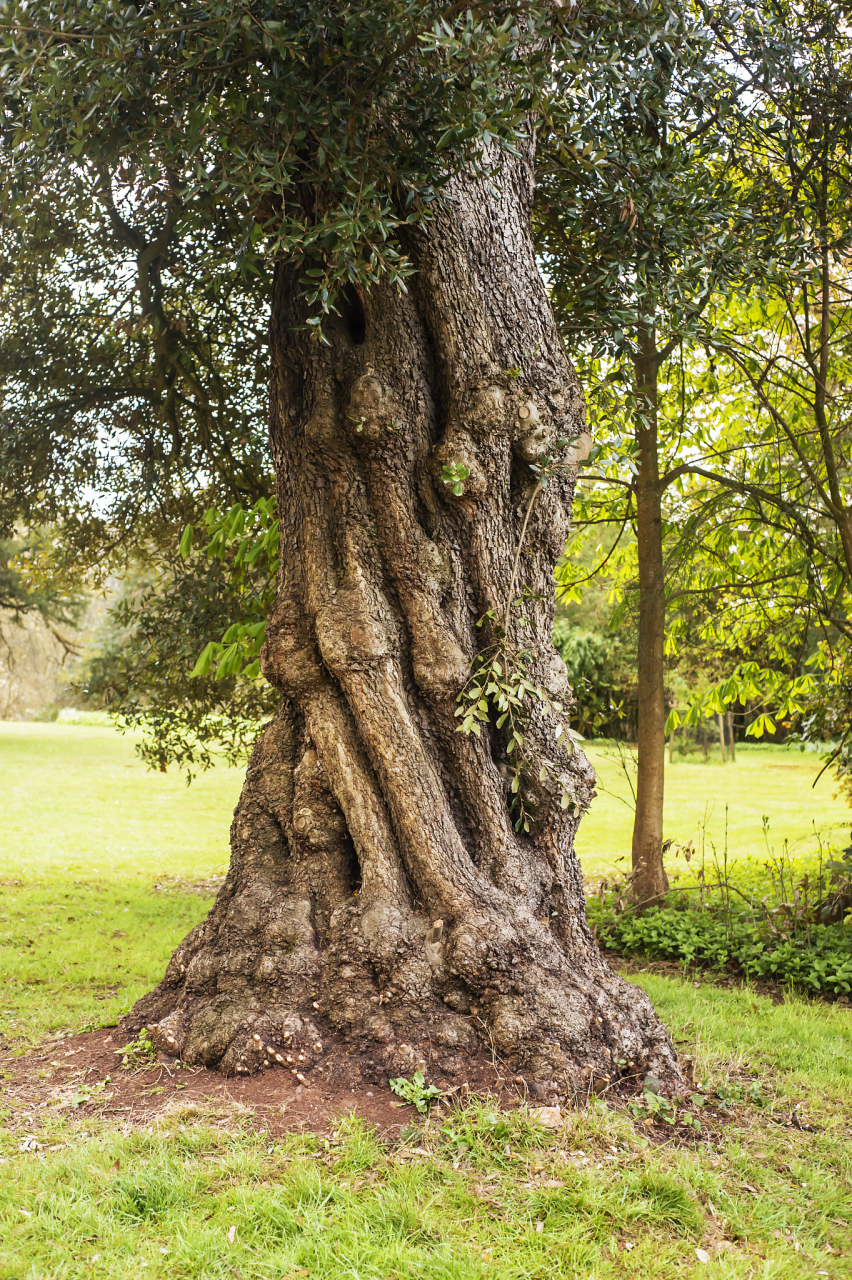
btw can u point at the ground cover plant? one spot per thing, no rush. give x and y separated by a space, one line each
217 1188
786 918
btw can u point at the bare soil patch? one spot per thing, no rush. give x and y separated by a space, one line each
82 1075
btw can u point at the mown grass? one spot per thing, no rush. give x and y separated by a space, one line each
86 833
194 1197
701 799
74 956
471 1194
78 803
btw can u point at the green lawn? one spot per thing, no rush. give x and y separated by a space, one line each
79 803
87 832
775 781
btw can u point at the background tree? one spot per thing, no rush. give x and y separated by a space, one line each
641 226
770 537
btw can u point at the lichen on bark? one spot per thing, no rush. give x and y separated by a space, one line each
378 892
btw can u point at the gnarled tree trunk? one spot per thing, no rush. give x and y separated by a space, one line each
377 889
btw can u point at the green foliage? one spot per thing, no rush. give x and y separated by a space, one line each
601 673
191 706
718 230
141 667
499 687
319 131
454 474
22 591
140 1052
247 543
776 929
416 1091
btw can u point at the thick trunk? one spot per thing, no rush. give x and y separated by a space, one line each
649 881
378 895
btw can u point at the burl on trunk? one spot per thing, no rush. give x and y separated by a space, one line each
378 891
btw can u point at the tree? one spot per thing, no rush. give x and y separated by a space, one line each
771 499
641 227
378 888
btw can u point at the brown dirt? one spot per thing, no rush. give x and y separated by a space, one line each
82 1075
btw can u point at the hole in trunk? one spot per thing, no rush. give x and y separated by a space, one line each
353 868
352 310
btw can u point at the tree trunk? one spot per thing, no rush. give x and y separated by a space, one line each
649 880
721 720
378 896
731 737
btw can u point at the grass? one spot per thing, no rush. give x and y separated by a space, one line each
473 1194
87 831
78 803
776 781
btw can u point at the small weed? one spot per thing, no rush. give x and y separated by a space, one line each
140 1052
415 1091
751 1093
88 1093
661 1110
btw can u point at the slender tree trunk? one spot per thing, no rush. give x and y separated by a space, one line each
649 882
731 738
378 895
721 720
671 746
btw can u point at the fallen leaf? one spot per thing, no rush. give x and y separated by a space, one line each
748 1187
232 1234
701 1254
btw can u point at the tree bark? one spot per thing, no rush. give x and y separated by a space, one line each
378 895
649 881
721 719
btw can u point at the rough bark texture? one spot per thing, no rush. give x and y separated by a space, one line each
649 880
378 894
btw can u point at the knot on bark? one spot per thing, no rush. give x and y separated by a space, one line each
350 633
434 565
284 1038
439 664
370 417
486 413
169 1035
288 657
534 435
317 818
